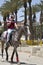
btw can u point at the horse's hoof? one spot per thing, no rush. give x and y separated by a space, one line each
6 59
18 63
11 61
2 60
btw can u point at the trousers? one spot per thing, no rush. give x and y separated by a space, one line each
9 31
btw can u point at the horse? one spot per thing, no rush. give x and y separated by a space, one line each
14 41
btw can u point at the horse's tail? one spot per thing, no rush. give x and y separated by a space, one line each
2 45
1 37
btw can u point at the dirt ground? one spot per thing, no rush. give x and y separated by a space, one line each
27 56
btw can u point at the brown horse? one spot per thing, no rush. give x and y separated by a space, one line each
15 42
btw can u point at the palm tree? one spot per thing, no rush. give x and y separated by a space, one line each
25 6
40 6
30 20
5 13
24 2
34 10
30 16
41 25
16 6
11 6
7 8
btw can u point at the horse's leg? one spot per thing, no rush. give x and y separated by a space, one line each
2 49
17 56
13 54
6 50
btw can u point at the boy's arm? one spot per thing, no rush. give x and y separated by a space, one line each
16 26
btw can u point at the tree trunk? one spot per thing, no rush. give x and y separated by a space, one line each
34 25
25 5
30 22
5 23
16 15
41 21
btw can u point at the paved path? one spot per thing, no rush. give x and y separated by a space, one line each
25 58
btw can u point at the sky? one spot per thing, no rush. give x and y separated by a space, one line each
20 13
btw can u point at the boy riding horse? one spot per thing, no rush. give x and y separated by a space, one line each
11 25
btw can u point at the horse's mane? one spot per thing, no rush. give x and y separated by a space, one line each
18 33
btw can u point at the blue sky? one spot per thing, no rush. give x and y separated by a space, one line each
20 13
1 2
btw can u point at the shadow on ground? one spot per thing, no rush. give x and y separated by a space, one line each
22 63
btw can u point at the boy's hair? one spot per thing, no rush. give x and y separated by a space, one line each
12 16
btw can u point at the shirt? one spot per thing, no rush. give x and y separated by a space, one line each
11 24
